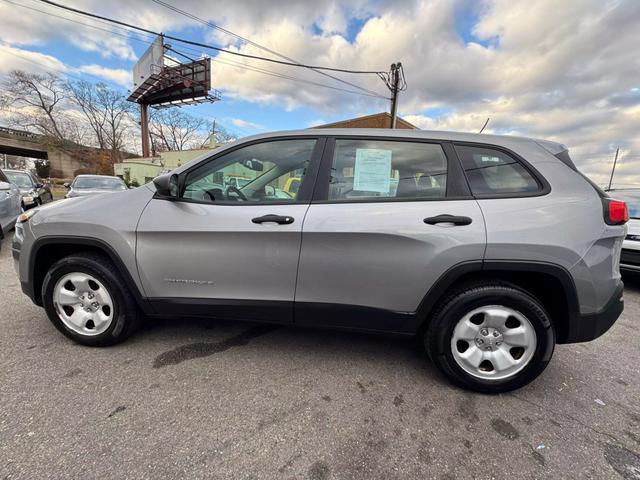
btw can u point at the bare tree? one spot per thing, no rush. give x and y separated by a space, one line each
108 113
37 102
84 95
173 129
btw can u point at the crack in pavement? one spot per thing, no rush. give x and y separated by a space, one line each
576 420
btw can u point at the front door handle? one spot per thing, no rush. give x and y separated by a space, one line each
280 219
455 219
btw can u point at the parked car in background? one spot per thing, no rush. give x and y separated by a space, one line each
33 190
10 204
86 185
292 185
237 182
630 257
491 249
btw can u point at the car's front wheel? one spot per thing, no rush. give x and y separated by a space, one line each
490 337
86 300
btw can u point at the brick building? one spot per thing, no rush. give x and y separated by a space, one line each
377 120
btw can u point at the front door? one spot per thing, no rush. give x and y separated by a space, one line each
229 246
393 218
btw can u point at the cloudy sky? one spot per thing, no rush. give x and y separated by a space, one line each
563 70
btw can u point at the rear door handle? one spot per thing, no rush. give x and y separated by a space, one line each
280 219
455 219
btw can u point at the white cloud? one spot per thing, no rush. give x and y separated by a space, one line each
566 71
34 23
116 75
238 122
12 58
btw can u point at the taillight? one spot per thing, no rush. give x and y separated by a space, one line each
615 212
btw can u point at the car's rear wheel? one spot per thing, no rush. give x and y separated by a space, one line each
490 337
86 300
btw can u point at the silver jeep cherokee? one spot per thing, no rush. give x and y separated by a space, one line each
491 248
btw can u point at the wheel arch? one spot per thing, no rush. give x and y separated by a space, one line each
551 284
47 250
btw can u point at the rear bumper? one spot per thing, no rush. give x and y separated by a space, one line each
584 328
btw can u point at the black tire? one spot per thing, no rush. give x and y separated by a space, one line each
439 331
125 311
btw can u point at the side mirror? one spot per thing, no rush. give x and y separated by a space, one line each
66 185
167 185
5 186
39 185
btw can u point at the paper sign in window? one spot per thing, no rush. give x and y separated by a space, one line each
372 170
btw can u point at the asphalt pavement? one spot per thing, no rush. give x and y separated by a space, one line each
223 400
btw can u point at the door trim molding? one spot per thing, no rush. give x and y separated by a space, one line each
271 311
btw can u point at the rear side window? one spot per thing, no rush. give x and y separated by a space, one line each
379 169
492 171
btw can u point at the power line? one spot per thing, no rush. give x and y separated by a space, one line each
130 35
149 42
272 73
297 79
127 36
204 45
255 44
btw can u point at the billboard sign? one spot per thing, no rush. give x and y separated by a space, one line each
161 85
151 61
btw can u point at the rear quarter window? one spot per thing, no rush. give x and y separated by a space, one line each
490 171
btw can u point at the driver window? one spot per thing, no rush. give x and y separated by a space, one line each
264 172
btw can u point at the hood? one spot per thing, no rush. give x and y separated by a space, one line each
91 208
27 191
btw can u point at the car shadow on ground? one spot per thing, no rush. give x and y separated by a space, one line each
191 338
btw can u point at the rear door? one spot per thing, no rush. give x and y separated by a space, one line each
226 251
389 217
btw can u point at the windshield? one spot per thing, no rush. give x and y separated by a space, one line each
632 199
22 180
99 183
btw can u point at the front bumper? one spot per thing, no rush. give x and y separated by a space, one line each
587 327
29 201
630 259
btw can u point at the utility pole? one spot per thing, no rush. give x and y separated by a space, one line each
144 129
395 82
613 170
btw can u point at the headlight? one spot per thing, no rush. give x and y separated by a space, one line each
24 217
